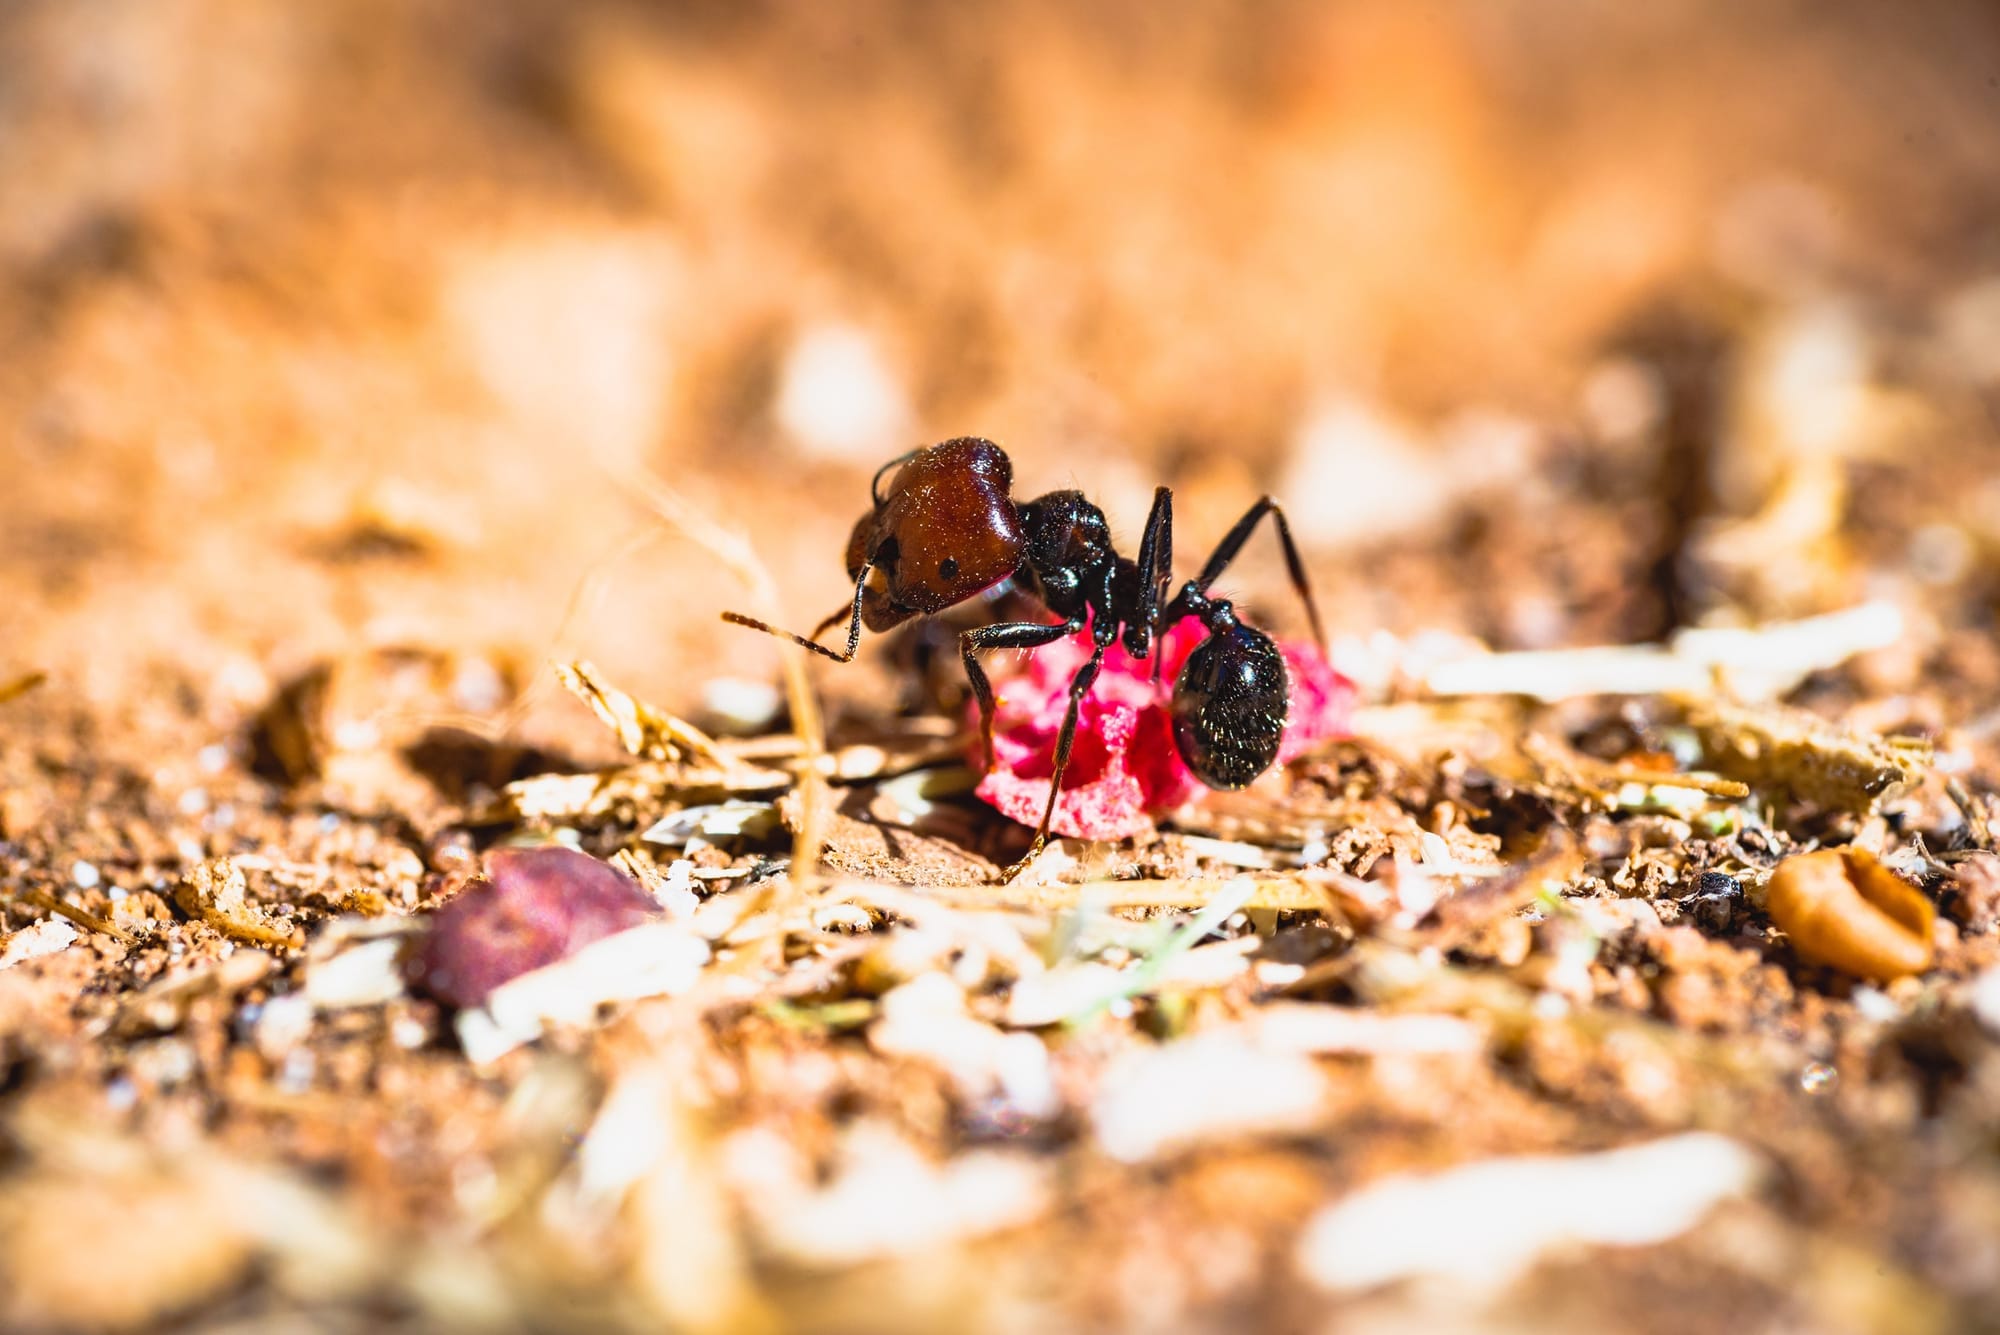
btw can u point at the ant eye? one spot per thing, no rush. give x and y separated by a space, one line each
948 569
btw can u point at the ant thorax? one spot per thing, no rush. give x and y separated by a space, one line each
1067 559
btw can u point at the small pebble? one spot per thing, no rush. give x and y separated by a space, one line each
296 1076
1214 1089
1715 902
356 735
167 1063
84 875
120 1094
1876 1006
1818 1078
478 687
43 938
283 1025
742 706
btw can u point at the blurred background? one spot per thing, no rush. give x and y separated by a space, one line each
342 341
350 327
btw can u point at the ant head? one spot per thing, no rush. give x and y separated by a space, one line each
945 530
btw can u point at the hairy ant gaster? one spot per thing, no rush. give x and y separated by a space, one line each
948 528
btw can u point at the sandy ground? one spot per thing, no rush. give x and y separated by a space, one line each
343 346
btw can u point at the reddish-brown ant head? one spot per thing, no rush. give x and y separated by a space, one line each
945 530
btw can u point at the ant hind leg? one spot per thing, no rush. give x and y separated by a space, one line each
1232 544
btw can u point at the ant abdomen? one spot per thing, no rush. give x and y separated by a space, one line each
1230 703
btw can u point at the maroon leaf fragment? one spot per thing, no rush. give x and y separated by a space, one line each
532 907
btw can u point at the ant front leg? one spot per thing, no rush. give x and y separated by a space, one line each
1232 543
1002 635
1079 686
812 641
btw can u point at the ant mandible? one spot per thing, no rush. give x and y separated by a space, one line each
948 529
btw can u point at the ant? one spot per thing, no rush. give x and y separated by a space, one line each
948 529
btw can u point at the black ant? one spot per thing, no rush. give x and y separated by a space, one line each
948 529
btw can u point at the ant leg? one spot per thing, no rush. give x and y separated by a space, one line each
1002 635
812 642
1156 557
1232 543
1079 687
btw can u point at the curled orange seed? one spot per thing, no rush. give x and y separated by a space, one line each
1841 907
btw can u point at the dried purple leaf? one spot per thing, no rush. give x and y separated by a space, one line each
532 907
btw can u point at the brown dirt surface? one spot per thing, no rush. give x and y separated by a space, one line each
1628 375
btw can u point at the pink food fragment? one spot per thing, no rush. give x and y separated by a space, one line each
1125 768
532 907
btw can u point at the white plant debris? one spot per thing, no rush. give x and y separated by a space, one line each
925 1019
1159 1101
742 704
1077 987
649 1156
1052 996
1227 851
1213 965
919 793
626 1138
1985 995
357 961
1759 663
672 888
886 1198
367 973
650 960
988 945
695 827
284 1023
1290 1026
43 938
164 1003
1485 1223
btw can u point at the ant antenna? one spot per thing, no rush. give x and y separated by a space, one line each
833 619
875 483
